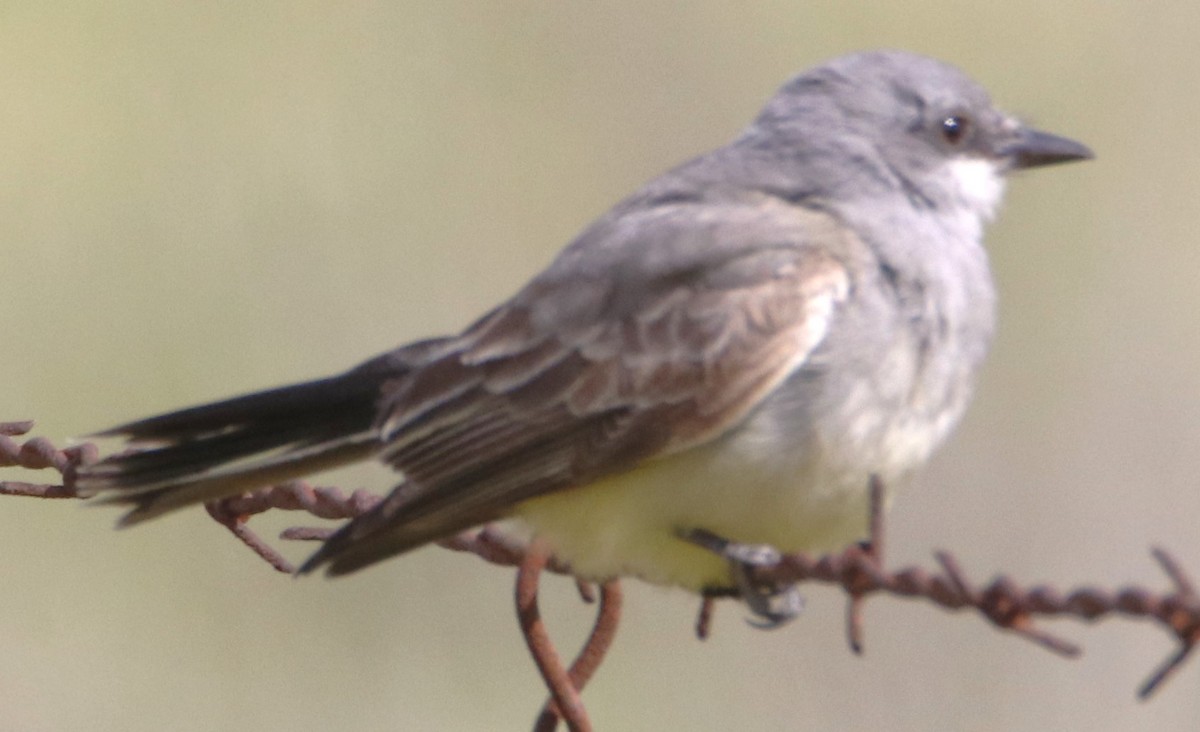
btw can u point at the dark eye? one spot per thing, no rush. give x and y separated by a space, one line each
954 128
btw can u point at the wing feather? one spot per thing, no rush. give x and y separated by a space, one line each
608 359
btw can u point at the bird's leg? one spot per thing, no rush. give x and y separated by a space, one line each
772 604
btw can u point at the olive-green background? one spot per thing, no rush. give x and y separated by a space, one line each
208 198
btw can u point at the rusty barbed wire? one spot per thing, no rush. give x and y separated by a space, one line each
565 700
39 453
591 655
858 571
565 684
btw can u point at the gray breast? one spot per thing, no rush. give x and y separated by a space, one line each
895 372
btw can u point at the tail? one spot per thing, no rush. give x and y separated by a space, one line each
215 450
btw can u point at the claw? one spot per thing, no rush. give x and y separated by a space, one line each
772 605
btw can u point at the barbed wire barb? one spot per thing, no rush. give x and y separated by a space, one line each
872 552
1186 624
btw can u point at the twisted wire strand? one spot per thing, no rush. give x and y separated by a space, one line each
858 571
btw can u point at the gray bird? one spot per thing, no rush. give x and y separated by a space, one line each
722 361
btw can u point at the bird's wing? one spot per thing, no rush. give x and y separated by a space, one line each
662 330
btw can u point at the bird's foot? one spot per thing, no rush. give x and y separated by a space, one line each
772 604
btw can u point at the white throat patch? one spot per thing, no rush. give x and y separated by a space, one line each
978 184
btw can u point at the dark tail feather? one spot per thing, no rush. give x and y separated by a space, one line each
214 450
256 473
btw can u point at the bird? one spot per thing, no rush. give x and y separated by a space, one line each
722 362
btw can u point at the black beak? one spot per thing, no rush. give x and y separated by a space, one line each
1033 148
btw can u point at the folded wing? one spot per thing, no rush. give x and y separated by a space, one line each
653 333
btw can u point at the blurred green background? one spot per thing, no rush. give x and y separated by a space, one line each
209 198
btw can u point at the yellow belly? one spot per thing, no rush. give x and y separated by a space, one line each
628 524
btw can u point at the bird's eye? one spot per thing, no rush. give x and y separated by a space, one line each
954 128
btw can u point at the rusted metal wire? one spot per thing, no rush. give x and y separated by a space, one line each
708 606
1008 606
591 655
872 551
300 495
565 701
38 453
858 570
236 523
